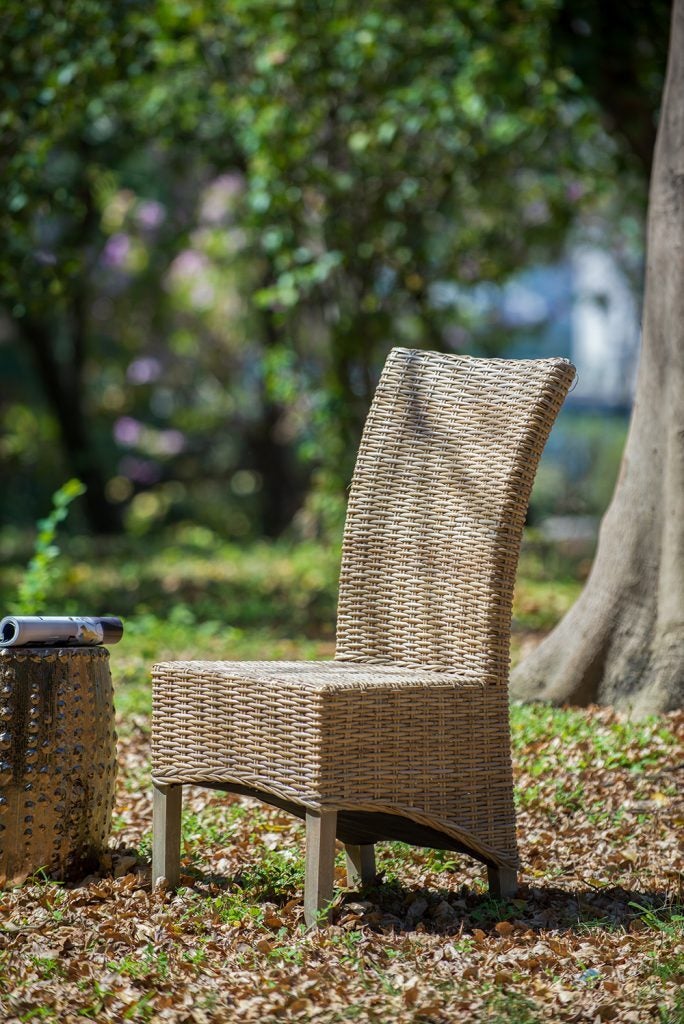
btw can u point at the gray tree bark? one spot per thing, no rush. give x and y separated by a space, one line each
623 641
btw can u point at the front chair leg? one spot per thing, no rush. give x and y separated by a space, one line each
503 882
360 863
320 865
166 834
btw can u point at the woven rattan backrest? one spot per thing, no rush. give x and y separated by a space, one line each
437 506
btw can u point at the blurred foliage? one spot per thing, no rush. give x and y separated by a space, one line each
284 586
35 585
580 465
618 48
188 576
218 217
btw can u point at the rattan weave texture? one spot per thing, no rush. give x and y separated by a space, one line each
411 719
437 507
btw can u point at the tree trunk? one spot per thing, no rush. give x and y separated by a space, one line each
623 641
63 389
281 492
270 455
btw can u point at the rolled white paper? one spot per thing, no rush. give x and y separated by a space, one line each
54 630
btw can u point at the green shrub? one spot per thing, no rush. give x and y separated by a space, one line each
37 581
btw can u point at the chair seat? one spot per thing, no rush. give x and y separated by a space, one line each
347 736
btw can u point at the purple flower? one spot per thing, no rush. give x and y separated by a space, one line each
116 250
127 431
142 371
188 263
150 214
219 197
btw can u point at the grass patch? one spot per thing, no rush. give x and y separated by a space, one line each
557 736
511 1008
277 876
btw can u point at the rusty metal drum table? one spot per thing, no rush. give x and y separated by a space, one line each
57 760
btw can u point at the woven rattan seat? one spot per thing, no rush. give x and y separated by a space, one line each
405 735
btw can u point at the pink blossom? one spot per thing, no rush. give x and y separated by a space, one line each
189 263
127 431
144 370
150 214
116 250
219 196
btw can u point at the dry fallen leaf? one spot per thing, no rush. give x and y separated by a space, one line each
411 991
504 928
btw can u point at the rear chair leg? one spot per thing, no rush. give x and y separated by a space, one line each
503 882
320 866
166 834
360 863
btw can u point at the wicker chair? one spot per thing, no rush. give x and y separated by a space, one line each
405 735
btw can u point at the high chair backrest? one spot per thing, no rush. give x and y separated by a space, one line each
437 506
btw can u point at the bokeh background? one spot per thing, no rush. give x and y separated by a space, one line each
218 217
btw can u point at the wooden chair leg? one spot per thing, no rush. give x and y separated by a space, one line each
166 834
320 865
360 863
503 882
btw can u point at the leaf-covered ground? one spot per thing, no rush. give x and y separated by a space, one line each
596 933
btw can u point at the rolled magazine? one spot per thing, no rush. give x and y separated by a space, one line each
59 630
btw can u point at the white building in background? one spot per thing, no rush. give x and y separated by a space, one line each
605 330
